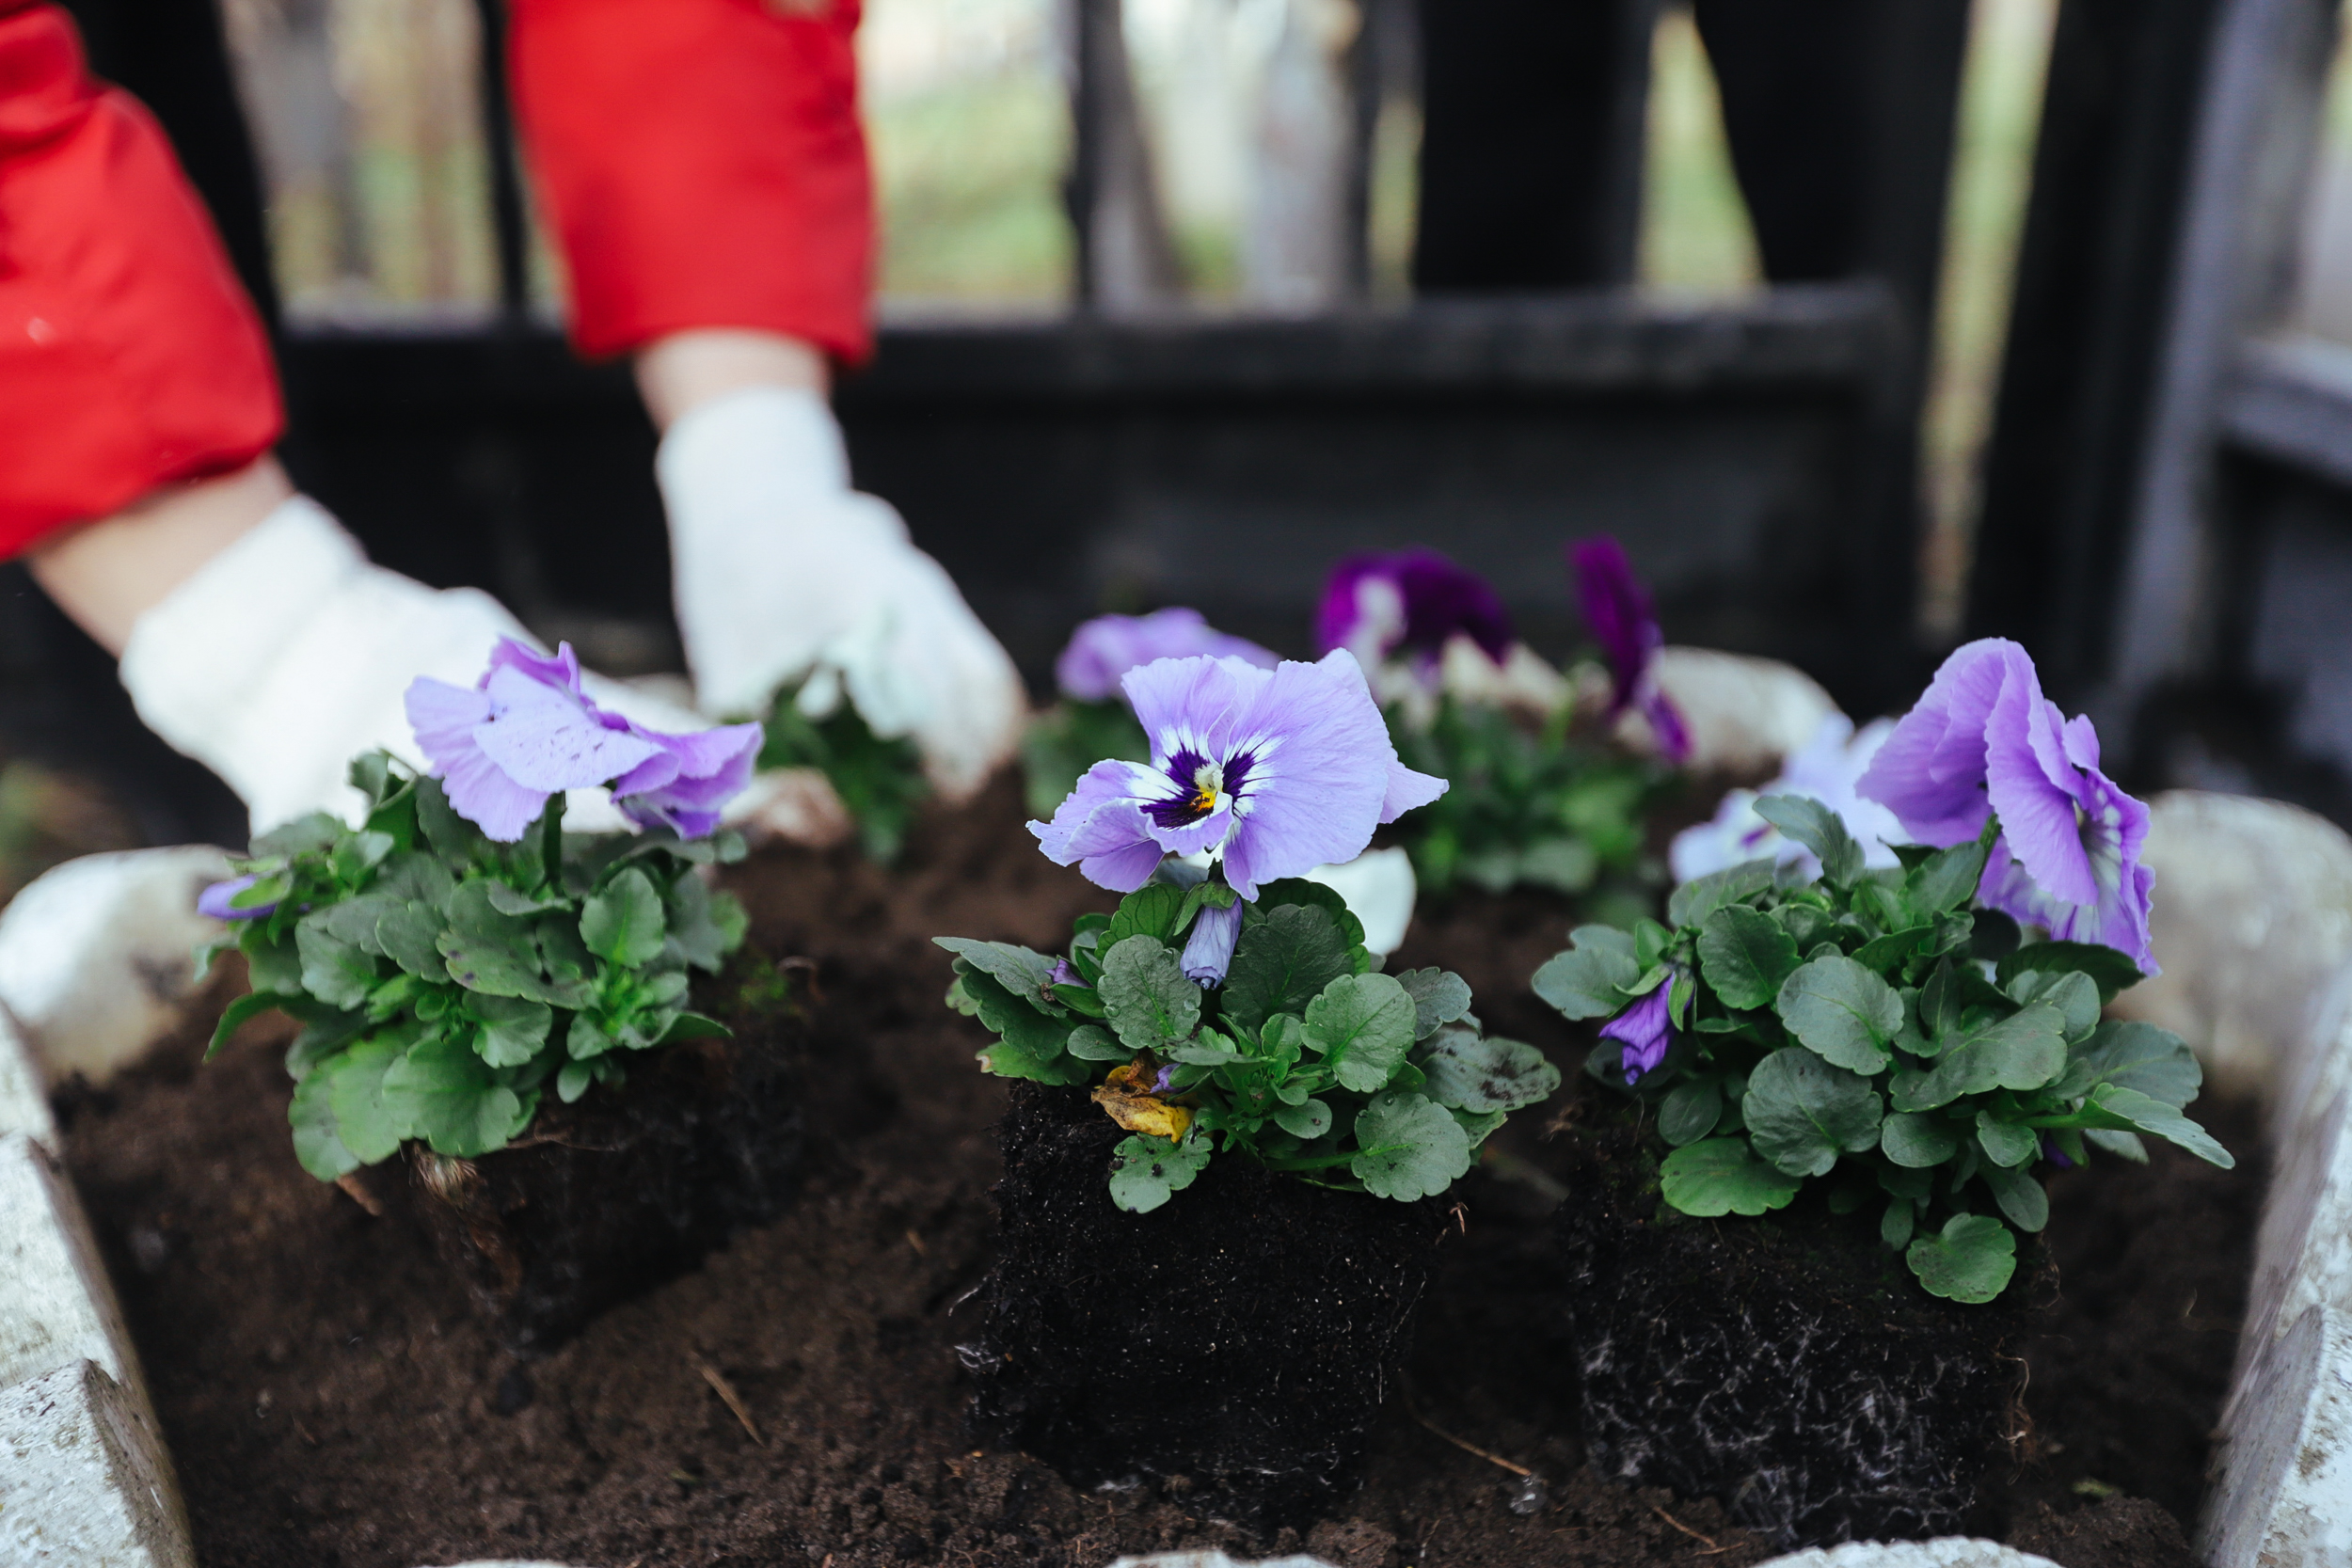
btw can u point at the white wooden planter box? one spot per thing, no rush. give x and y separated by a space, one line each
2254 927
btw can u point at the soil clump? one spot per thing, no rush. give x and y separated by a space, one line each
1234 1345
331 1397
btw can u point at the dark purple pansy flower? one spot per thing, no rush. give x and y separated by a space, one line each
527 731
1617 612
1645 1029
1984 741
1108 646
1414 602
215 900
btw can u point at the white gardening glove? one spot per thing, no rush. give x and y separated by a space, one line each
781 569
288 654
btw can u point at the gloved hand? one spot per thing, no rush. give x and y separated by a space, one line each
780 570
288 653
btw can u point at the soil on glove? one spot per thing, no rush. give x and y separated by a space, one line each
332 1399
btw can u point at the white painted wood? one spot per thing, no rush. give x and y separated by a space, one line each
1950 1551
57 1306
84 1480
24 1094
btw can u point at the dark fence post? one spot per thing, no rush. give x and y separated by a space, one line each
509 221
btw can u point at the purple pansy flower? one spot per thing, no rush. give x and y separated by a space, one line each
1273 771
1984 741
1617 612
1416 602
1645 1029
1065 973
1209 952
214 900
527 731
1108 646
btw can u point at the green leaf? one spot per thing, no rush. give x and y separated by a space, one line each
1146 1171
333 970
1917 1142
1439 996
1298 891
354 921
1282 963
410 934
1209 1047
1026 973
2132 1055
624 924
2124 1146
2021 1197
441 1092
1691 1110
1723 1175
1478 1125
508 900
1204 894
1802 1113
1589 980
1150 910
513 1030
693 1026
353 1083
2113 972
2005 1143
1144 992
1701 897
487 951
706 925
1410 1146
2149 1115
1842 1012
315 832
1948 879
1970 1262
1895 1226
2074 993
1033 1044
2023 1050
573 1080
1363 1024
233 1017
1745 955
1468 1072
1090 1042
586 1039
1820 829
414 876
1882 954
1308 1119
317 1144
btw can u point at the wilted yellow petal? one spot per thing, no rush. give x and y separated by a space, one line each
1143 1112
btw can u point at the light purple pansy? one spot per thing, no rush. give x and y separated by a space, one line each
1645 1029
527 731
1617 611
1273 771
1209 951
1108 646
215 900
1984 741
1414 602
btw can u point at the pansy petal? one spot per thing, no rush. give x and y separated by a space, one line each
1209 952
1408 790
486 795
2037 803
1193 705
1107 647
561 668
1318 774
547 740
1190 838
443 718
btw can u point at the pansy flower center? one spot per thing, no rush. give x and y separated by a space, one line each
1202 784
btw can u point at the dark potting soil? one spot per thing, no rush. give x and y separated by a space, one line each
1789 1365
1235 1346
332 1398
606 1198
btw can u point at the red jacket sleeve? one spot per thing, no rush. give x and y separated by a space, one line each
130 357
703 166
